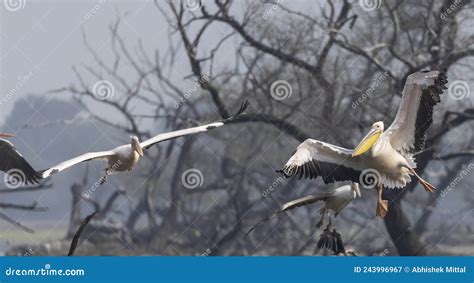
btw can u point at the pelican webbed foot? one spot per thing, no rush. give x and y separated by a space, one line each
382 208
382 205
428 187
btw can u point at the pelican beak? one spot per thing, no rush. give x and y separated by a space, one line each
356 188
139 150
367 142
6 135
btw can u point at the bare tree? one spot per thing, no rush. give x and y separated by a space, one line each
312 72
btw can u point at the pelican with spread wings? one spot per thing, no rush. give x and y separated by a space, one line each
19 171
383 158
125 157
335 200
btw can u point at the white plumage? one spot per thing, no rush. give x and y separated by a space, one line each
388 154
124 157
335 200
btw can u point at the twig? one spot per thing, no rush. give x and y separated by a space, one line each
467 153
27 189
33 206
16 223
75 239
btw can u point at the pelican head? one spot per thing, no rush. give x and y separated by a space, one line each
370 139
136 146
6 135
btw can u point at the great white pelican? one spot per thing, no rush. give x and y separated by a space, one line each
125 157
387 155
335 201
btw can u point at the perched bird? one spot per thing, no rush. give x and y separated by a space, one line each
338 245
335 200
383 158
125 157
12 163
331 240
326 239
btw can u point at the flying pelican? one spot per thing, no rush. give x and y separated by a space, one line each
335 200
125 157
383 158
13 164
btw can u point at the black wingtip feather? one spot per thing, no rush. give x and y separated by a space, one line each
283 173
243 106
329 172
430 97
36 177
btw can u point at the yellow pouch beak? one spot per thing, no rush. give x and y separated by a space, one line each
367 142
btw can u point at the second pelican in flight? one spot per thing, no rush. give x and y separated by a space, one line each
335 200
124 158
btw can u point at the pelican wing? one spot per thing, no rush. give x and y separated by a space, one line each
314 159
78 159
415 114
11 160
302 202
190 131
171 135
292 205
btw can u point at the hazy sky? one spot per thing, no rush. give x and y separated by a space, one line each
43 40
40 41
